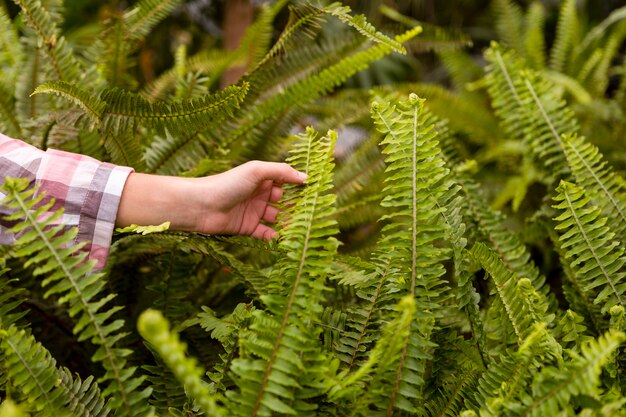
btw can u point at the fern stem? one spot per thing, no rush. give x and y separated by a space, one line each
509 80
292 298
590 246
544 114
600 183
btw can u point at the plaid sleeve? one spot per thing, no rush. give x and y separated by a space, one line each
88 190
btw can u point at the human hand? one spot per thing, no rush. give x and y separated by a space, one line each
238 201
241 200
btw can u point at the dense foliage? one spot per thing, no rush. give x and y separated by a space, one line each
465 257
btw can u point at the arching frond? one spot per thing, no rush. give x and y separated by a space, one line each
589 247
281 365
68 276
531 110
534 39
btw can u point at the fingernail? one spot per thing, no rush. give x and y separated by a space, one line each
302 176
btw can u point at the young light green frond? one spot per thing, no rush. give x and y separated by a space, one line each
156 330
600 77
589 247
382 358
597 178
125 110
567 35
64 64
360 23
281 365
524 306
510 24
554 387
534 38
90 104
504 381
69 277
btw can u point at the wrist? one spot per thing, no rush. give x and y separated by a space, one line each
155 199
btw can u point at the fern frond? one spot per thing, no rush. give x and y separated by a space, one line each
125 110
508 246
383 357
597 178
145 15
155 329
310 88
31 107
61 57
530 110
365 28
510 24
504 381
68 276
282 365
50 391
554 387
589 247
534 39
567 35
416 180
226 330
524 306
11 50
91 105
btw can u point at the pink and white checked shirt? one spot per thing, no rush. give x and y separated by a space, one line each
87 189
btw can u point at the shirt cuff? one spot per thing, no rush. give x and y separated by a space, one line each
90 193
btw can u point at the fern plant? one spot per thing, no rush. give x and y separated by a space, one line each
395 287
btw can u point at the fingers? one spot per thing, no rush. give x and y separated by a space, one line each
270 214
276 194
264 232
275 171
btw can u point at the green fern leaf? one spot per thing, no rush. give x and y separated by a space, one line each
155 329
50 391
589 247
64 64
534 39
145 15
524 306
531 110
567 34
68 276
92 106
604 186
282 365
360 23
510 24
554 387
125 110
416 180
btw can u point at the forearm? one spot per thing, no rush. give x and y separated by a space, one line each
155 199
